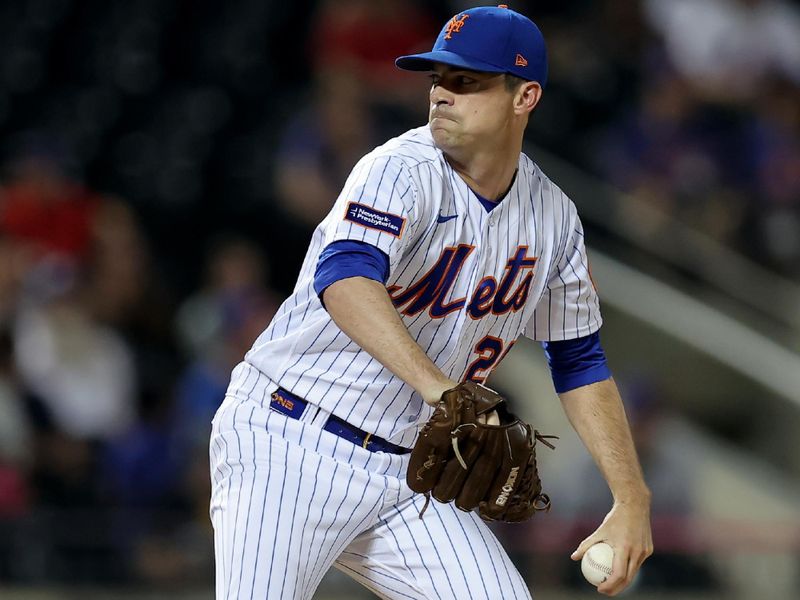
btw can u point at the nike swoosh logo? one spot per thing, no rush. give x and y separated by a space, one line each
445 219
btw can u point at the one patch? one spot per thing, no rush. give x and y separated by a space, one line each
284 403
366 216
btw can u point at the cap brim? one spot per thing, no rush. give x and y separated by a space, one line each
426 60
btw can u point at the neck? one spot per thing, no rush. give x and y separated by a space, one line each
487 173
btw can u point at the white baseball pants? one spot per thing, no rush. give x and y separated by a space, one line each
290 500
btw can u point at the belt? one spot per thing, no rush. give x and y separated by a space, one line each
293 406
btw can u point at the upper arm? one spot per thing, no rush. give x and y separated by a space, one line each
577 362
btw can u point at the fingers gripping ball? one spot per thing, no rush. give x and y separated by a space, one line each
597 562
476 453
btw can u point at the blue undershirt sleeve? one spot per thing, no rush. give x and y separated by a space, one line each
348 258
575 363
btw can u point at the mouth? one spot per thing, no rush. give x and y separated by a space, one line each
440 116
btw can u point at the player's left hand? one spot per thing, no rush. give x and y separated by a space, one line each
473 451
626 528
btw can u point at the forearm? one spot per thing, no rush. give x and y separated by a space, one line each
362 309
597 415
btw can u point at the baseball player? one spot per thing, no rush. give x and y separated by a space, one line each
445 245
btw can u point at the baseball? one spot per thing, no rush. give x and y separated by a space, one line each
596 563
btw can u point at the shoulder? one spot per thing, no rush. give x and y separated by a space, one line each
542 188
409 165
408 151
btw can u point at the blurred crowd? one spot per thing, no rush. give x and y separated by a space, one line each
165 161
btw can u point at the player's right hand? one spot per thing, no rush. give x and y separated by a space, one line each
432 394
626 529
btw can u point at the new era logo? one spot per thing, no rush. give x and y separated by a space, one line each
521 61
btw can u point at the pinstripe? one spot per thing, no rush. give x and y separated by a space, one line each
563 310
540 195
454 320
565 225
452 545
311 503
577 299
358 527
280 508
413 259
584 263
250 498
374 582
216 449
409 157
555 255
261 521
289 320
467 358
289 312
264 392
404 411
316 529
494 566
320 354
402 554
229 483
363 189
310 392
425 144
316 475
447 343
435 335
497 547
243 384
439 557
347 389
294 510
238 504
388 160
386 574
218 488
376 397
309 586
416 547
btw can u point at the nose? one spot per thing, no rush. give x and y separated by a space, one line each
440 95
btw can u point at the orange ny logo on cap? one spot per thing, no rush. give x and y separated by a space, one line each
455 25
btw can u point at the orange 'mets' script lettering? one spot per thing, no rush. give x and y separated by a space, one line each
455 25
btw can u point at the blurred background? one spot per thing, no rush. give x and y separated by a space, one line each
163 163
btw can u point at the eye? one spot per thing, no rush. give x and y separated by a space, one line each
435 78
464 80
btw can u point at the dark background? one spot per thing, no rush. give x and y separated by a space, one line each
164 163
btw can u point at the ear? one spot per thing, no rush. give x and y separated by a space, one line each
527 97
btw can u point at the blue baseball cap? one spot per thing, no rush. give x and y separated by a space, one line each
490 39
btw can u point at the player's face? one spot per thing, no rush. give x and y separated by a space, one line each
468 107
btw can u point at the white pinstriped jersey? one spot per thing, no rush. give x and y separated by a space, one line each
466 282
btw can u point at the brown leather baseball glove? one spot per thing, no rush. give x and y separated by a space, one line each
458 456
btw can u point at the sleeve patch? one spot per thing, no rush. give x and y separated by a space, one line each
366 216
